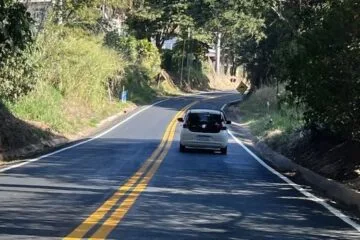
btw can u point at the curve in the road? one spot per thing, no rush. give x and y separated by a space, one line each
197 195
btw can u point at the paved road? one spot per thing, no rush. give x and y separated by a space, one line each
98 190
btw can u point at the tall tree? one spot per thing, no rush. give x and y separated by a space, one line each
159 20
238 21
15 37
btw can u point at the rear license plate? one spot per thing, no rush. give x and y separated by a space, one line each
203 138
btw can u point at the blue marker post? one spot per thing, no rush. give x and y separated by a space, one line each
123 95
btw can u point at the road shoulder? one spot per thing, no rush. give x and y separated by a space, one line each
345 198
55 142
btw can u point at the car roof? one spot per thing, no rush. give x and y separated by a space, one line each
204 111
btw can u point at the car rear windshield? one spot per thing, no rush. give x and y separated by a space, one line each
204 122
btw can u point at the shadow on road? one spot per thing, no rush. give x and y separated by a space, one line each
195 195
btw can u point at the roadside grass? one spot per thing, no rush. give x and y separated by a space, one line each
71 94
323 152
166 85
268 118
168 89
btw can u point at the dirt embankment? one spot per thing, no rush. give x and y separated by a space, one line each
208 82
327 155
21 139
18 138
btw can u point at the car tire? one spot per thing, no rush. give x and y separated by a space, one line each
182 148
223 151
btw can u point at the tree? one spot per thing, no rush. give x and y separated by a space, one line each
313 46
238 21
159 20
15 37
15 28
324 72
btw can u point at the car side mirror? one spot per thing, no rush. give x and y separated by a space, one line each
180 120
228 122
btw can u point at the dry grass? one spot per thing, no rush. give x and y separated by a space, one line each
71 94
267 118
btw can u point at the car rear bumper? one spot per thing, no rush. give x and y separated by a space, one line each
205 145
203 140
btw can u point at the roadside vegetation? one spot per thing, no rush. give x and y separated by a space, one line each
309 51
69 77
301 57
269 117
313 49
70 92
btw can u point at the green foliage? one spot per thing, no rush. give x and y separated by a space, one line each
148 58
66 78
83 11
160 20
190 64
72 92
139 84
280 118
78 62
15 28
324 73
193 55
17 75
314 47
16 69
127 46
238 22
138 52
44 104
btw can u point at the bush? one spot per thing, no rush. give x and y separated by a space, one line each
278 115
79 66
16 69
149 58
17 75
325 73
72 91
141 53
316 52
126 46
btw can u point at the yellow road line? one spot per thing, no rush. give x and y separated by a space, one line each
99 214
121 211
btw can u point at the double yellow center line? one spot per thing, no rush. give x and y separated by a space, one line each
128 192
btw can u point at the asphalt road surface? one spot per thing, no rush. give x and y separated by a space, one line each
133 183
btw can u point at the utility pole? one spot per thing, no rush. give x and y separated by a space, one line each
182 62
183 56
218 52
189 55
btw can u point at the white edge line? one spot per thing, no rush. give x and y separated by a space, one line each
224 106
236 124
100 134
85 141
239 100
309 195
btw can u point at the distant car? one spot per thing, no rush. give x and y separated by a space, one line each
204 129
